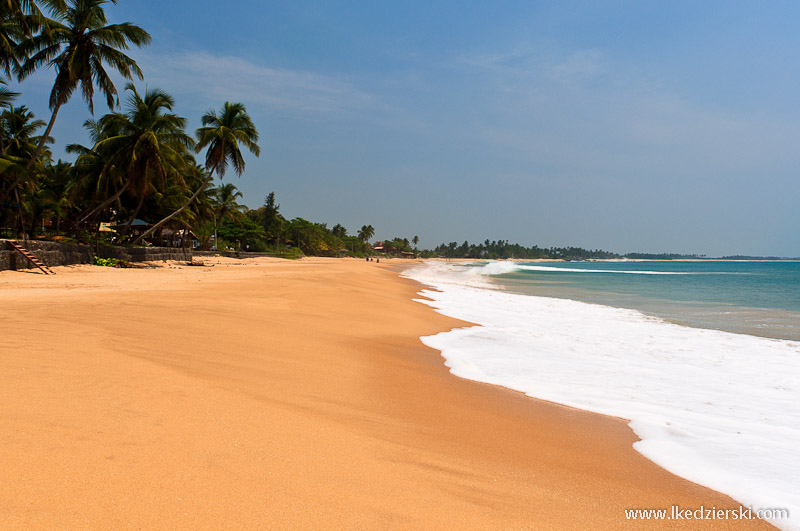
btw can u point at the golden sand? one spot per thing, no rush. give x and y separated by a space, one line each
275 394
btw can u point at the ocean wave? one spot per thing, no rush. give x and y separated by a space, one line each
472 273
717 408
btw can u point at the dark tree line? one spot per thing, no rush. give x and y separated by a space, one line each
503 249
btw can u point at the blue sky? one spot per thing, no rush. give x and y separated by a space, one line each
627 126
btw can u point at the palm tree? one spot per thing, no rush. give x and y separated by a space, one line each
415 239
203 209
19 19
221 134
56 185
28 8
77 44
6 101
7 96
38 201
11 33
17 130
225 205
339 230
14 28
365 233
140 148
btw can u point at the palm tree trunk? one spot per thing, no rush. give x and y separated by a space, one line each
106 202
215 231
45 136
181 209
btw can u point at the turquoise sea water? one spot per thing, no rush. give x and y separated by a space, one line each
720 409
757 298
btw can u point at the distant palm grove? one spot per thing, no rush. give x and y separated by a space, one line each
144 179
502 249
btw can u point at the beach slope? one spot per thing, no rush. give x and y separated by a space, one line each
276 394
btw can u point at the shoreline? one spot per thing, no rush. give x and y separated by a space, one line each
693 395
287 394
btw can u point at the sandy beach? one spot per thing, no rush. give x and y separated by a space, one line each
279 394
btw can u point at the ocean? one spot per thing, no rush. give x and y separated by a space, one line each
703 357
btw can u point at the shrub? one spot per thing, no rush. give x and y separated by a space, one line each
292 254
110 262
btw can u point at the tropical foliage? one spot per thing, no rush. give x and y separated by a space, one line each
142 178
139 169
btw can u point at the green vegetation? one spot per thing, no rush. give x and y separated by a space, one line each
141 162
110 262
502 249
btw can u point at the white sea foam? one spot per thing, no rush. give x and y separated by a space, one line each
717 408
460 274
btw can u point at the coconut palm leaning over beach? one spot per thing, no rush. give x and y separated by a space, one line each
221 134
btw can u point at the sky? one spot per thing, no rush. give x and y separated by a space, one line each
620 125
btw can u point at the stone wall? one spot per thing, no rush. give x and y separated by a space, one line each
57 254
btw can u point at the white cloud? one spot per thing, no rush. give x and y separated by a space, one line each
234 78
